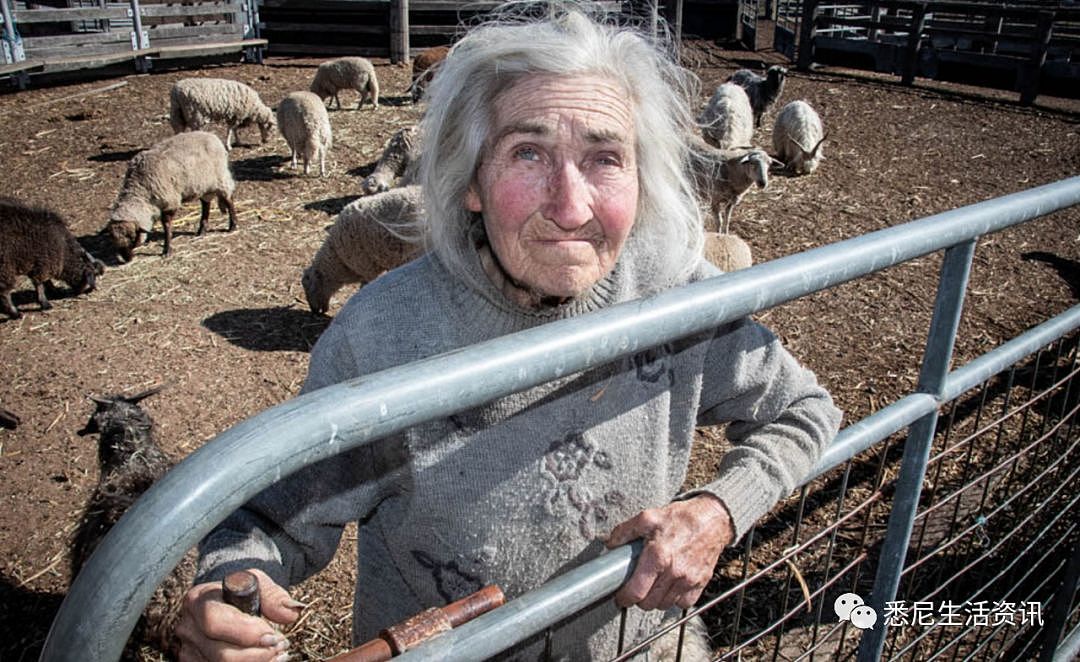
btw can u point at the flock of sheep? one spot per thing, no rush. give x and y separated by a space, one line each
367 238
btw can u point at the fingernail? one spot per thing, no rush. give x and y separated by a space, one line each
283 646
294 604
271 640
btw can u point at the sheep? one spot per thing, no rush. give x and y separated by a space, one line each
728 119
722 176
196 102
36 242
798 136
130 461
423 69
363 242
305 125
399 154
158 180
729 252
346 73
763 91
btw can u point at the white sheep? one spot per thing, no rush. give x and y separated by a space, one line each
346 73
366 239
305 125
400 153
159 180
728 119
722 176
195 103
798 136
763 91
729 252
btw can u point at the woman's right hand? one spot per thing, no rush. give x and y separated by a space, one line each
210 630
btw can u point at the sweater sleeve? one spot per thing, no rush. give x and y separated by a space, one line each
780 420
292 529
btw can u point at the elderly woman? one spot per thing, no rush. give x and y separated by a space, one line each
554 178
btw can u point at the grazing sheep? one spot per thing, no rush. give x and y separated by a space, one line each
36 242
131 461
423 69
722 176
194 103
728 119
305 125
729 252
346 73
763 91
362 244
179 169
798 136
401 152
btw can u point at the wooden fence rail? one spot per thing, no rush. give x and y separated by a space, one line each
98 33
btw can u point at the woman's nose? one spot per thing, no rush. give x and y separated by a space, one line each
569 203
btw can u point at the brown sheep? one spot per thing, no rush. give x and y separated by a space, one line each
423 69
36 242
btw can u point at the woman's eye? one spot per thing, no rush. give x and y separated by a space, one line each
527 153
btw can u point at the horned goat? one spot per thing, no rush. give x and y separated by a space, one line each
798 136
723 176
130 461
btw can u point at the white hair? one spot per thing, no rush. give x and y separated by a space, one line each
561 38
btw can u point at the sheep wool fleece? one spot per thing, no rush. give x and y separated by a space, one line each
522 489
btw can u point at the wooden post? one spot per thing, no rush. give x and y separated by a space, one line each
807 33
676 23
1030 75
911 58
399 31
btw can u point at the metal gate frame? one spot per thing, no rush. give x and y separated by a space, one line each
106 599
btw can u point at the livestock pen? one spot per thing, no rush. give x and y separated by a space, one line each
981 511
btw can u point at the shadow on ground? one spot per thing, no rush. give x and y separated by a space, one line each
281 329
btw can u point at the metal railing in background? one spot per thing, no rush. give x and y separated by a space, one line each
107 597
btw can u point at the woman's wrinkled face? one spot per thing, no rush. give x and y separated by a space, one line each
557 185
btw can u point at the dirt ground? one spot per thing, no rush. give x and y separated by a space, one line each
225 325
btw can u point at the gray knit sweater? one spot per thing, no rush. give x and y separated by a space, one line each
517 491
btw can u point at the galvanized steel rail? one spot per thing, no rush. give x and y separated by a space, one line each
105 601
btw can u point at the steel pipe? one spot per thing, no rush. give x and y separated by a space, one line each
105 600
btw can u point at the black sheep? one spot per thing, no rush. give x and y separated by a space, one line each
762 90
130 461
36 242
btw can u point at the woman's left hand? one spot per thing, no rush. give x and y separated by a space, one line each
683 540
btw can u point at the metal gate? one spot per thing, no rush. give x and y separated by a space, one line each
786 32
748 14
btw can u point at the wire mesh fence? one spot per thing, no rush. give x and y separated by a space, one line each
991 563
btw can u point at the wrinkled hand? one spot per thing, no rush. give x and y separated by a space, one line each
683 540
211 630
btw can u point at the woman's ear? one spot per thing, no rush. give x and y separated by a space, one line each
472 199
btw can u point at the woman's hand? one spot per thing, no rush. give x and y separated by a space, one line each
211 630
683 540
